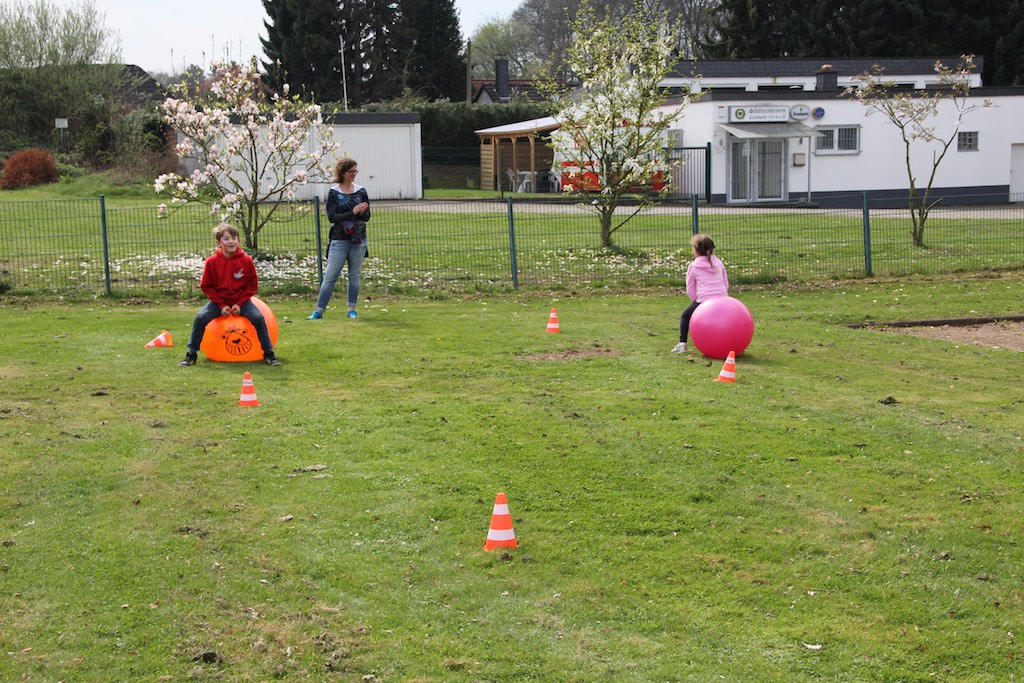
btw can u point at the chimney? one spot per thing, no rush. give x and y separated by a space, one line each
501 78
826 78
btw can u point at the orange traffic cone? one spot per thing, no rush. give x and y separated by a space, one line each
501 534
553 321
248 397
162 339
728 373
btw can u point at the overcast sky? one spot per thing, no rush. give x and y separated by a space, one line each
165 37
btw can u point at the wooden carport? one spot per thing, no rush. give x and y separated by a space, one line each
500 149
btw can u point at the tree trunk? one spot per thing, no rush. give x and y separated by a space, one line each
918 216
606 231
250 219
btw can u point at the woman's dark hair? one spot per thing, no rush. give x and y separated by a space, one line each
343 166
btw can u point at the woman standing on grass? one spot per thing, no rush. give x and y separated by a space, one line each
348 209
705 279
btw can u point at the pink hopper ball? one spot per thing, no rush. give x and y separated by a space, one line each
721 325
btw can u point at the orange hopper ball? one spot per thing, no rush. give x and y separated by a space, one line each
233 338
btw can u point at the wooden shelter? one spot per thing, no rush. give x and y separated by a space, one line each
514 155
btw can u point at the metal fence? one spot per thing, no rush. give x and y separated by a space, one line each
82 247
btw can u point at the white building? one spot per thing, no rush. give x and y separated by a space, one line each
387 147
781 130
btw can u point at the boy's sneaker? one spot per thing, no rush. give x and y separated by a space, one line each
679 348
315 315
190 359
353 314
270 359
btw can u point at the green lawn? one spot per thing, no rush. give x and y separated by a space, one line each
848 510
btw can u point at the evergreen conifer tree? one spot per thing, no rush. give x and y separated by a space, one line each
873 29
435 65
303 47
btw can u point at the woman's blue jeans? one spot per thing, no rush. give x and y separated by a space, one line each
338 253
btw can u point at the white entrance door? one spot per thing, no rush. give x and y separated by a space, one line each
757 170
1017 173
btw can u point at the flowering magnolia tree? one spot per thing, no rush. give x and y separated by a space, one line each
613 126
915 116
253 151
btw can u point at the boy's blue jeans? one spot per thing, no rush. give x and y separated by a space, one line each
210 311
338 252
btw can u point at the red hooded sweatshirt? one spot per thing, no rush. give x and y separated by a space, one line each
229 281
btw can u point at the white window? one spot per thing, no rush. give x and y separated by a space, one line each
967 141
837 140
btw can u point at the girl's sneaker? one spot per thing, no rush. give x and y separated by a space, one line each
315 315
679 348
353 314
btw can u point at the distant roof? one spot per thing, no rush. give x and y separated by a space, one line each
522 90
139 85
767 68
545 123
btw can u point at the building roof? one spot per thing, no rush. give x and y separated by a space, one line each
809 67
487 91
139 87
520 128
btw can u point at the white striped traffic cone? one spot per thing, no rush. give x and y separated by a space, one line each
248 397
553 321
501 534
728 373
162 339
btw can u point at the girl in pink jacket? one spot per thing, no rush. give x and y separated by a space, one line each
705 279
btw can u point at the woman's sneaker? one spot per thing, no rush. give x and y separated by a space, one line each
315 315
353 314
679 348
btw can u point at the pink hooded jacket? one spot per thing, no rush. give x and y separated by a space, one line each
706 279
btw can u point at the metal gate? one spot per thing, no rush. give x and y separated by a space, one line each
691 171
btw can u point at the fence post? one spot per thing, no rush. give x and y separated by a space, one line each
106 243
707 174
319 241
694 218
869 271
512 246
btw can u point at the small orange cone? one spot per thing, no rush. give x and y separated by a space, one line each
162 339
728 373
501 534
248 397
553 321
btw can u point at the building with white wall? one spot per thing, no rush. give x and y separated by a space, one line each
387 147
783 131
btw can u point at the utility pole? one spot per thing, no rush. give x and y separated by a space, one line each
469 71
344 79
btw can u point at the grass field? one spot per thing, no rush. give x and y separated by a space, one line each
848 510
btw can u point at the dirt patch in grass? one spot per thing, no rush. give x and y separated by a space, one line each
571 354
1006 335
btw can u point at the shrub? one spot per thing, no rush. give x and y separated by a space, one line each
28 167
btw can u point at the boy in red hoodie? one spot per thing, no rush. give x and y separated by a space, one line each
229 280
